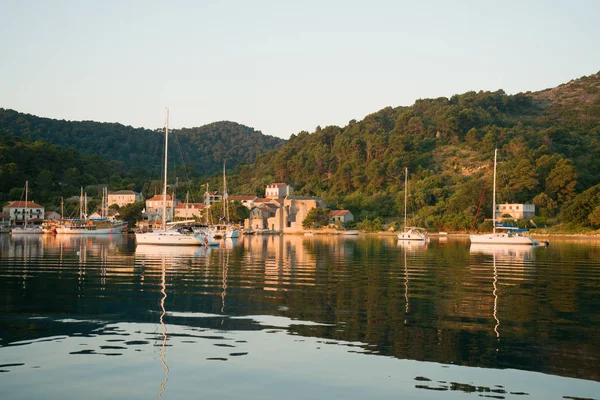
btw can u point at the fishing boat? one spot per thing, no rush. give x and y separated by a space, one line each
508 235
175 235
411 232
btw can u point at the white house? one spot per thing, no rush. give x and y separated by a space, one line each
247 201
51 216
189 210
278 190
21 212
340 216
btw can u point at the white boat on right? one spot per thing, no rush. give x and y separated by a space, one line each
411 233
510 235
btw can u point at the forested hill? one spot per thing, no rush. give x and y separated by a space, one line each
549 151
205 148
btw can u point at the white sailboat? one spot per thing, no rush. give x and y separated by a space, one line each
230 231
26 228
501 238
411 232
173 236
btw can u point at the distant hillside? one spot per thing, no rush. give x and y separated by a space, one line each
549 145
205 148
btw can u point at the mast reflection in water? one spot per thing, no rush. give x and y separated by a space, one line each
297 317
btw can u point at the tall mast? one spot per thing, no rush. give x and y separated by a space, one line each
62 208
206 204
225 195
81 204
494 196
164 210
405 193
26 190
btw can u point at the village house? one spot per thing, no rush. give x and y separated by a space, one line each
51 216
111 215
247 201
21 212
516 211
186 211
4 222
212 197
278 190
340 217
295 209
123 197
279 211
260 215
154 207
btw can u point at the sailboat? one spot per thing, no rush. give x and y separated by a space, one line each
411 232
501 238
230 231
26 228
173 236
86 226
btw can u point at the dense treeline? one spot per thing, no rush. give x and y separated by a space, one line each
203 149
548 141
549 146
54 172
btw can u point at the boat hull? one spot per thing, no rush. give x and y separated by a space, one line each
68 230
26 231
170 239
502 238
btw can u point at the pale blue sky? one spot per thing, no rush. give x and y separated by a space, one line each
280 66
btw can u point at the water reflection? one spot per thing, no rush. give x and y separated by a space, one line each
284 298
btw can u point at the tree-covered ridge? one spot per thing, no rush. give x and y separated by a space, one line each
549 151
203 149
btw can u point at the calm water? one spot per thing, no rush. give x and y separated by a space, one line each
296 317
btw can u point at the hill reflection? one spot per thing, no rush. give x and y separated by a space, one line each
445 302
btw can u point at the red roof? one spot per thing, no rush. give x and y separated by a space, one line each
159 197
22 204
339 213
279 184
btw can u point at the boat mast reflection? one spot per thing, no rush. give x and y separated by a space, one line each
163 292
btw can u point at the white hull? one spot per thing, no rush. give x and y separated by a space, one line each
502 238
27 231
170 238
414 234
91 230
408 236
232 234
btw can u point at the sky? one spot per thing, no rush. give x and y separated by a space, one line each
280 67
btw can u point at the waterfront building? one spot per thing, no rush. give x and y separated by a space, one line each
21 212
124 197
516 211
340 216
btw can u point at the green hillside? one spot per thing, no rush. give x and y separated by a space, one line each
205 147
549 144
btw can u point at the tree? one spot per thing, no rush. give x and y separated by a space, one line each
132 213
316 218
561 181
